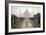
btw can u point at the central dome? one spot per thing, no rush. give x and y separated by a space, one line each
26 14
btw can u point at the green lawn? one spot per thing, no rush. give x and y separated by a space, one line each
17 23
35 24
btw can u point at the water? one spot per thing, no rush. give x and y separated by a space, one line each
26 24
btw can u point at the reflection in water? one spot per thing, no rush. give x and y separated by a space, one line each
27 24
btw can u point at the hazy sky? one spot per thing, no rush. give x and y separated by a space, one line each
17 10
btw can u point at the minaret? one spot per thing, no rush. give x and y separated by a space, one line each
20 13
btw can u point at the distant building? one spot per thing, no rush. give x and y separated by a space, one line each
26 14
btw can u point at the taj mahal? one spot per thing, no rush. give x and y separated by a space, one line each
26 14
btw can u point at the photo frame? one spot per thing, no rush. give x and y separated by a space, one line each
24 17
